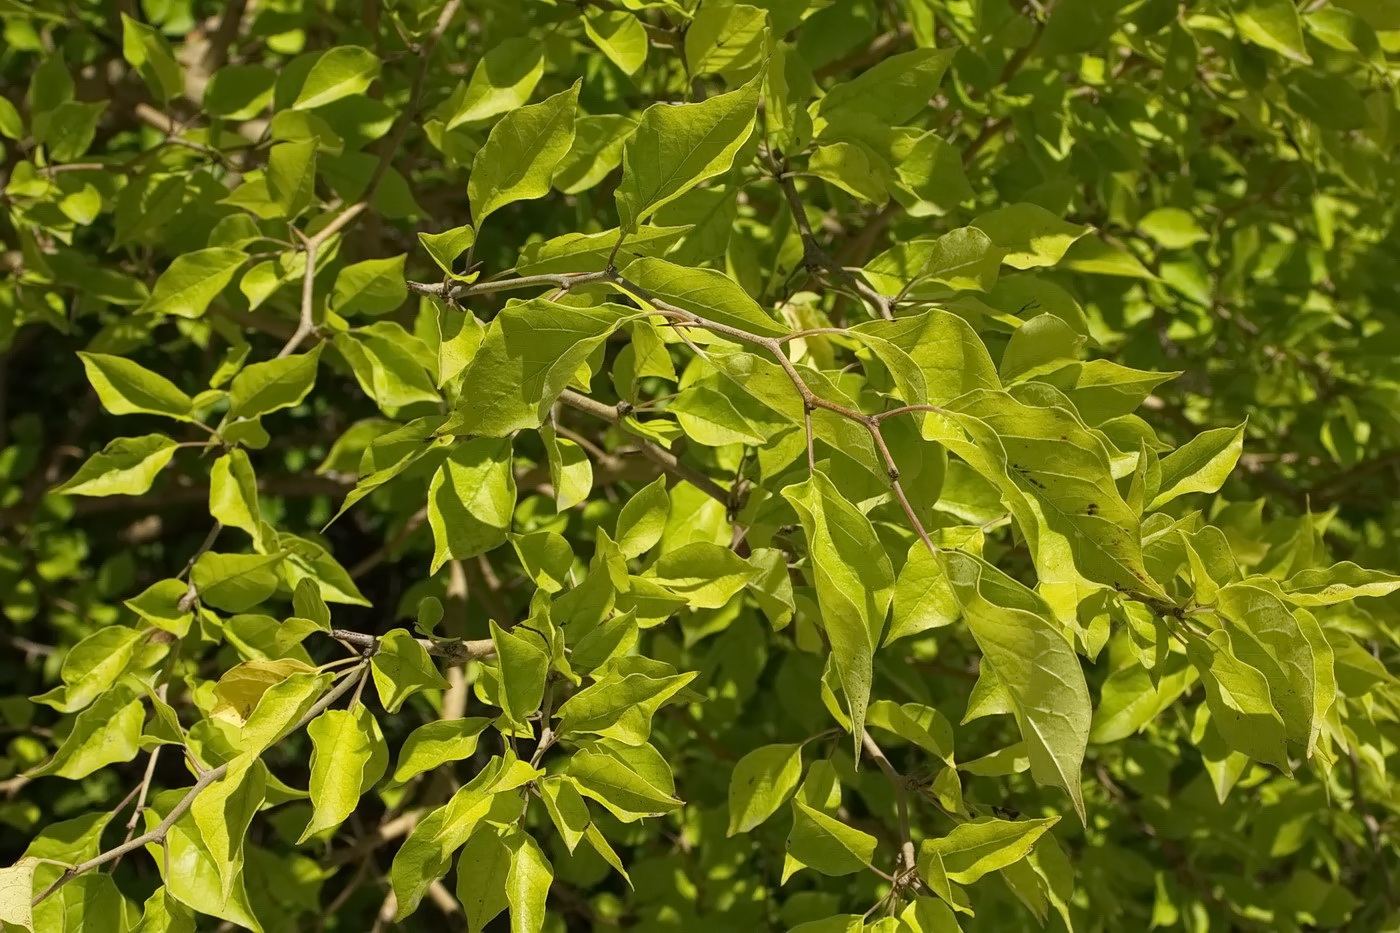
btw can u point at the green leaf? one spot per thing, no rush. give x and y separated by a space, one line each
923 597
620 707
1271 637
375 286
482 872
1064 466
597 150
92 666
390 364
125 387
772 589
570 470
761 782
974 849
159 605
1241 707
705 292
307 560
235 582
401 668
426 854
618 35
1030 235
339 72
125 467
922 725
69 130
105 733
530 354
1042 344
853 169
192 281
854 583
1094 255
1036 663
518 159
271 386
1102 390
1200 465
950 357
1336 584
242 688
223 812
523 666
11 123
347 758
546 558
527 882
1172 228
233 493
706 575
291 176
824 844
894 90
964 259
191 871
433 744
146 50
589 252
618 787
445 247
567 810
502 80
1275 25
930 175
643 519
927 915
471 500
239 92
674 148
725 37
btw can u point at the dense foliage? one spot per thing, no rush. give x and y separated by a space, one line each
910 466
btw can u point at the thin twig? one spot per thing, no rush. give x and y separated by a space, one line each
455 291
312 244
454 652
815 257
658 454
901 798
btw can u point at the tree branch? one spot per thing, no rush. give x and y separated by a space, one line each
454 652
